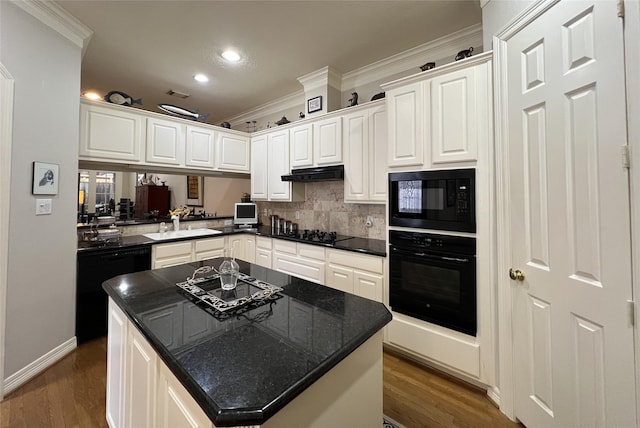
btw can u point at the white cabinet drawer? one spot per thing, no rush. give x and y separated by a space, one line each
310 270
263 243
311 251
172 250
355 260
285 246
210 244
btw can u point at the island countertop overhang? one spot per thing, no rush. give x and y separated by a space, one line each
244 369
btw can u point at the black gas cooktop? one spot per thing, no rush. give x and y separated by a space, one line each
315 236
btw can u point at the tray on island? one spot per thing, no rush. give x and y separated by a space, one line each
249 292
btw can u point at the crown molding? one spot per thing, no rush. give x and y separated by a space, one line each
58 19
443 47
321 78
295 99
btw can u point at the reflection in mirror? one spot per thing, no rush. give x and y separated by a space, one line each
122 194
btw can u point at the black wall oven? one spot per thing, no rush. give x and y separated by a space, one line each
433 278
441 200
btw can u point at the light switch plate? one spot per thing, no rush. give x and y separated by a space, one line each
43 206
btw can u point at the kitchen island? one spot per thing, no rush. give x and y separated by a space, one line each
307 356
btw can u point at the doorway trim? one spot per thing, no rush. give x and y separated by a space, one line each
632 68
6 133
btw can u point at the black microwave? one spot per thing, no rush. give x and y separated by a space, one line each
442 199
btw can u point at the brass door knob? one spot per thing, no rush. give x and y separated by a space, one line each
516 274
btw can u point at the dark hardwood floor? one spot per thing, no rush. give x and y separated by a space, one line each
72 393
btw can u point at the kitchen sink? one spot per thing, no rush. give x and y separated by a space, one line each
161 236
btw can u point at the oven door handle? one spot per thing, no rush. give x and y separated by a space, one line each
431 256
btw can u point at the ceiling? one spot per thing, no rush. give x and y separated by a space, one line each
146 48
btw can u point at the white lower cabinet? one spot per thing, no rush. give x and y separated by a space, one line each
264 252
116 366
243 246
176 408
177 253
140 409
359 274
209 248
171 254
141 390
302 260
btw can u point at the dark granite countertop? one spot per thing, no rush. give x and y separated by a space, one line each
376 247
243 369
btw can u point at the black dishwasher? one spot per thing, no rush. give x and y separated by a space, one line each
95 266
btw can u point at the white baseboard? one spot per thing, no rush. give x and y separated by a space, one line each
494 395
27 373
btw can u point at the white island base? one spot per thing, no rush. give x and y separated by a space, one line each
143 392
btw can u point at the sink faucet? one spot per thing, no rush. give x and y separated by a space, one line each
176 222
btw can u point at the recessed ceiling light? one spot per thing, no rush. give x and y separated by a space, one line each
92 96
231 55
201 78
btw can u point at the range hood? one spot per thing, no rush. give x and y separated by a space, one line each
323 173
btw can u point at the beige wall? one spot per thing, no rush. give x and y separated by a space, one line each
221 194
41 275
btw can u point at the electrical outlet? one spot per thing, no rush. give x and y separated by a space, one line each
227 222
369 222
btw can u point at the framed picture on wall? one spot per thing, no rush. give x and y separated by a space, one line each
195 190
314 104
45 178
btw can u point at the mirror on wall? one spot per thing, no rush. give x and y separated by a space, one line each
134 196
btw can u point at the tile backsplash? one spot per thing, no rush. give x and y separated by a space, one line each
325 209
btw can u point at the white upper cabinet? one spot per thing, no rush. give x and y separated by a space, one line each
301 140
259 168
116 134
201 143
365 155
165 142
406 125
270 161
233 152
458 108
440 118
112 134
327 141
278 165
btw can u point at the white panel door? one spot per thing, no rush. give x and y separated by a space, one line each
259 168
200 147
406 125
116 366
456 107
569 219
176 407
356 158
142 372
368 285
233 152
278 161
165 142
107 133
327 141
378 139
301 146
340 278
